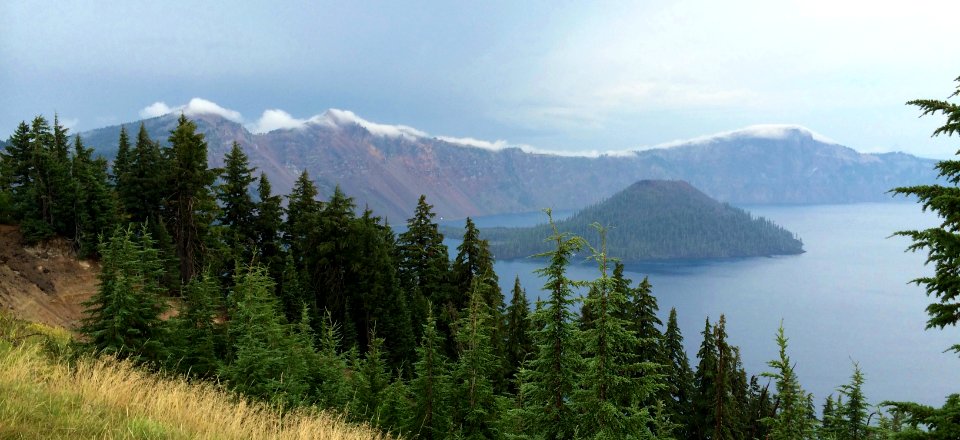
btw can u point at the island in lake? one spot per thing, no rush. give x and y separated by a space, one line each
657 220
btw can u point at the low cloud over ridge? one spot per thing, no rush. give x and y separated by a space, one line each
196 106
277 119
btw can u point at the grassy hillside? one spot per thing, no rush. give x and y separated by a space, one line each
45 396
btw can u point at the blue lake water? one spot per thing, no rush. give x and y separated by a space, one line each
846 299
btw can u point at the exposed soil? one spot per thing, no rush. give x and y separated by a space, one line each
44 283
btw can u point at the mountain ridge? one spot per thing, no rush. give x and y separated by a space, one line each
386 168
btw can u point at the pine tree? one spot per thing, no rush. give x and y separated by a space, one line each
237 207
703 420
431 386
265 362
330 262
378 301
854 413
830 424
550 377
371 378
474 261
94 204
393 412
328 384
123 317
678 377
475 412
927 423
518 343
120 172
616 385
793 419
424 269
190 201
940 242
194 341
143 191
726 414
303 210
15 165
61 188
268 224
31 196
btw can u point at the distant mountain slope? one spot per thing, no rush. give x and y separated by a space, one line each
388 167
655 220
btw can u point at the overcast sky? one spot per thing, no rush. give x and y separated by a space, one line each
555 75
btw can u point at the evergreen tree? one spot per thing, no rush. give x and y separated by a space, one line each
123 317
793 419
120 173
303 210
550 377
371 378
927 423
268 224
475 413
518 343
265 362
194 341
424 270
94 204
60 188
616 384
190 202
727 420
328 384
15 165
760 406
378 300
237 207
143 191
431 386
703 420
32 196
331 261
678 377
393 412
473 262
854 413
830 424
940 242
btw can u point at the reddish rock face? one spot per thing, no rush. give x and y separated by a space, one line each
388 173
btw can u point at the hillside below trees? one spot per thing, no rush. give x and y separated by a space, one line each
655 220
388 171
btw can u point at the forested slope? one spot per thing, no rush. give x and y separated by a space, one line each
654 220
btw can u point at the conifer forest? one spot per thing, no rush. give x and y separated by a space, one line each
297 301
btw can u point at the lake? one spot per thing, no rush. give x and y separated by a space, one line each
846 299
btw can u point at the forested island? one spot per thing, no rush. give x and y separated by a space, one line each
657 220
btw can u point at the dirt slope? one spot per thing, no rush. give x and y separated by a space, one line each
44 283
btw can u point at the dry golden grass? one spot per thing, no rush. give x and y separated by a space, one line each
104 398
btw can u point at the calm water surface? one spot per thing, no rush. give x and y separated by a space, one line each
847 299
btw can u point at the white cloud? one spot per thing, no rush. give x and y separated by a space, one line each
341 117
196 106
69 123
766 131
199 106
158 108
275 119
478 143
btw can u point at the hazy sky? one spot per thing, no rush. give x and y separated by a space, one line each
555 74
